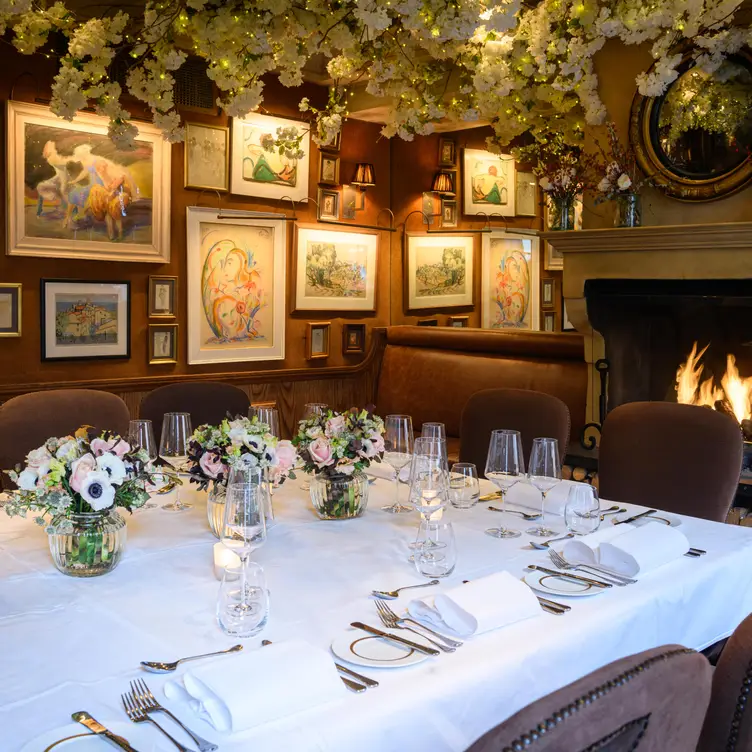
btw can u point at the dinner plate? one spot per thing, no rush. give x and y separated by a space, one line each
548 583
362 649
142 738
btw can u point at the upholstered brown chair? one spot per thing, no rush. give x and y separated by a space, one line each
206 401
728 724
531 413
27 421
679 458
650 702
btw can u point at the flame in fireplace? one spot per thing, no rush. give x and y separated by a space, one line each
734 395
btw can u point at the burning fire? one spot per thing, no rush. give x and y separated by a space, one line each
734 396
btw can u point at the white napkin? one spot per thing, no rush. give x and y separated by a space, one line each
524 494
259 686
479 606
628 549
382 470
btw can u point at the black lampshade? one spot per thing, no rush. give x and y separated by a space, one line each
364 175
443 182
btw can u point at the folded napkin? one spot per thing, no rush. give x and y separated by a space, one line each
524 494
259 686
479 606
382 470
628 549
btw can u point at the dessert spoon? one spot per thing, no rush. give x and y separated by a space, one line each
390 595
157 667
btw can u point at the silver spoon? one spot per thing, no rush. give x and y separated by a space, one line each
524 515
157 667
390 595
611 510
543 546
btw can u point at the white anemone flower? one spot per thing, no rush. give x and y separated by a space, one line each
97 491
113 466
27 480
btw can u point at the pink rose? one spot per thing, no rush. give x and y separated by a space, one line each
80 468
211 464
100 446
286 455
321 452
121 448
335 425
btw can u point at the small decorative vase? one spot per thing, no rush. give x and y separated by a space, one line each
628 210
561 213
215 508
87 545
340 497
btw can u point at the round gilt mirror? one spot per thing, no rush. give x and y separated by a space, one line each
695 140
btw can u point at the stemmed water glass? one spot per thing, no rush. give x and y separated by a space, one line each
141 435
270 416
398 448
544 473
505 466
173 449
433 431
314 409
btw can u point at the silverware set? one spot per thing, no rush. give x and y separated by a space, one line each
391 621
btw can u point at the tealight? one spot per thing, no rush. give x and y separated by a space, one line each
223 558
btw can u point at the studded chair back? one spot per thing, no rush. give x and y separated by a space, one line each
650 702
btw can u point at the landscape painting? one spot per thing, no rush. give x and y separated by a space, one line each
489 183
74 193
439 271
257 171
236 282
510 281
335 271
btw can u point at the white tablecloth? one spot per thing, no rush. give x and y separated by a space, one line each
68 644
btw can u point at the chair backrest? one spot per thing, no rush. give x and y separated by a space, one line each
680 458
650 702
28 420
728 723
206 401
531 413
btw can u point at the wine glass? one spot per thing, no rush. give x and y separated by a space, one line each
429 477
173 449
141 435
270 416
582 513
314 409
398 448
544 473
433 431
505 466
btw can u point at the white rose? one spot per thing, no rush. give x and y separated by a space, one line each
238 436
624 182
27 480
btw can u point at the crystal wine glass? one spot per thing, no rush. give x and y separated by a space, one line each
433 431
141 435
544 473
173 449
429 486
314 409
398 443
270 416
505 466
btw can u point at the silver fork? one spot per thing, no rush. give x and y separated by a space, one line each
619 580
391 621
149 704
139 716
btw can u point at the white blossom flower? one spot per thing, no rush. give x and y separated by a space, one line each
624 181
605 185
113 466
97 491
27 480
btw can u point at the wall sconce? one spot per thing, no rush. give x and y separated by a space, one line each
443 183
364 176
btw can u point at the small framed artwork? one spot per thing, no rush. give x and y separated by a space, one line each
488 184
526 191
549 321
548 292
163 295
459 322
328 204
353 200
447 152
428 207
328 169
84 319
317 340
335 145
353 338
206 164
428 322
163 343
448 212
10 309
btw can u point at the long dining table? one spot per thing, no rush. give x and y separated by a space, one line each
69 644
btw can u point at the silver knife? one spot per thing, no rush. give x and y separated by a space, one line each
362 679
394 638
554 605
636 517
94 726
575 577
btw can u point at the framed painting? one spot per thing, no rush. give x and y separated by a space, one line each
163 297
510 281
328 169
549 321
488 183
459 322
548 292
328 204
439 271
448 212
85 319
318 335
206 164
267 174
447 152
163 343
72 193
335 270
10 309
526 193
353 338
335 145
236 286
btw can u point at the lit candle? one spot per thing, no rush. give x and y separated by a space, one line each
223 558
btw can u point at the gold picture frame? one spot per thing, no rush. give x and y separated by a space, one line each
328 204
10 309
353 339
163 295
318 340
449 212
163 344
548 293
459 322
447 152
328 169
205 147
549 321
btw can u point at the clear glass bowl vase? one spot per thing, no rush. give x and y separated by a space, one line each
340 497
215 508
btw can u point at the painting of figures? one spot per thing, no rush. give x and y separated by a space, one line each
439 271
488 182
74 193
260 171
335 271
236 283
206 157
510 281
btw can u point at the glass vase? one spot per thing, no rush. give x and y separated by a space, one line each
340 497
215 508
561 213
628 210
87 545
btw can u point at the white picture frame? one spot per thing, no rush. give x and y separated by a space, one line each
491 176
526 194
246 151
257 247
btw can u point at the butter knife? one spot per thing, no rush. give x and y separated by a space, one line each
575 577
359 677
490 496
94 726
394 638
636 517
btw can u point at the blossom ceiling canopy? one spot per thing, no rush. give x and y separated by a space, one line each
523 67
